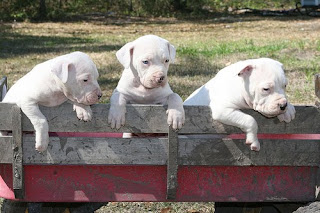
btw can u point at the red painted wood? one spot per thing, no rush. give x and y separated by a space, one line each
6 181
148 183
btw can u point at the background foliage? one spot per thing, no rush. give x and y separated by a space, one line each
20 10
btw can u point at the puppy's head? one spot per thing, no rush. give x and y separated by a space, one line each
77 75
265 81
150 57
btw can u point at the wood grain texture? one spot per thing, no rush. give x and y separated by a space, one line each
17 158
5 116
154 151
3 82
317 85
6 149
172 164
153 119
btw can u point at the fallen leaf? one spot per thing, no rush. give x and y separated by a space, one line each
166 210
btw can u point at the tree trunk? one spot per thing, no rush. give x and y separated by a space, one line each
42 9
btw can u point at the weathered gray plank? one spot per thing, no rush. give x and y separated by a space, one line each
143 118
148 119
6 149
237 153
153 151
172 164
198 119
3 82
113 151
5 116
17 158
317 85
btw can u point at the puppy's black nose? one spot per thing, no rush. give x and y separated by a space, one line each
283 106
161 79
99 96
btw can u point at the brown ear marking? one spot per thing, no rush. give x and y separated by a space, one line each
246 71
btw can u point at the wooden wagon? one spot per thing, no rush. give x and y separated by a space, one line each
204 161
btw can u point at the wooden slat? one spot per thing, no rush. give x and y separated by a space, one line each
113 151
3 82
5 116
148 119
153 151
6 149
172 164
198 120
236 153
317 85
17 158
142 118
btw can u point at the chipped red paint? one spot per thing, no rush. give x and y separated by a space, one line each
148 183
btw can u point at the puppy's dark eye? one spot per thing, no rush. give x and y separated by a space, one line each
167 60
265 89
145 62
85 80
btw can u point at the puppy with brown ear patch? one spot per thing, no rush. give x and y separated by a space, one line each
257 84
70 77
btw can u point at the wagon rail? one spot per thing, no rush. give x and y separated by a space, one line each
204 161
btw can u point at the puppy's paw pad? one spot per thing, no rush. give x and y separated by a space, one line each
255 147
83 114
176 119
41 148
116 118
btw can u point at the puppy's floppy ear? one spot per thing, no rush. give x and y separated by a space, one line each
61 70
172 52
124 55
246 71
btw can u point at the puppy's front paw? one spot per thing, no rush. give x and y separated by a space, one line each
289 115
83 113
252 140
42 141
116 117
176 118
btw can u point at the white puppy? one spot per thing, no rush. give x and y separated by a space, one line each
144 80
69 77
257 84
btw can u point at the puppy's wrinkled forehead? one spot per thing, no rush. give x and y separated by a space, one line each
151 48
84 64
270 70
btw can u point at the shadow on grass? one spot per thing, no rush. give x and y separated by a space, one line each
206 17
15 44
192 66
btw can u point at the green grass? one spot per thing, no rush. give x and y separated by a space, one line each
217 48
